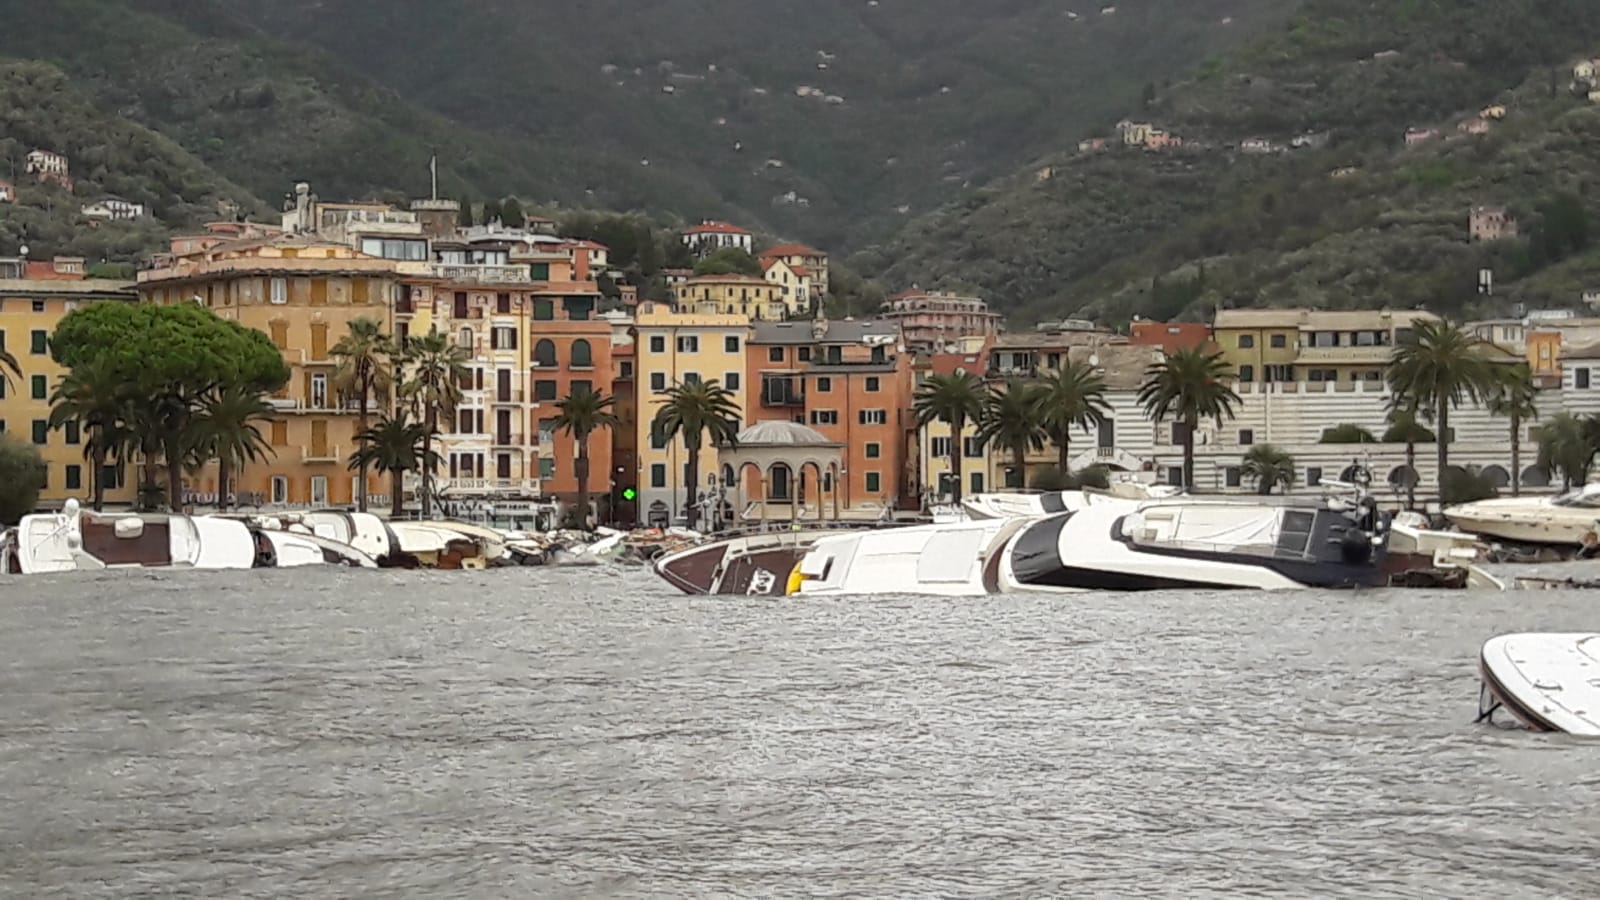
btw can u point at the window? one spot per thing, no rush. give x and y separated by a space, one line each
625 369
544 354
73 435
976 483
1246 437
38 342
1278 341
582 355
280 434
775 354
1313 477
824 385
280 489
1246 341
803 354
872 384
730 344
939 448
874 451
1247 373
38 306
74 478
578 308
658 344
658 475
730 380
873 417
465 339
544 310
544 390
502 304
972 448
1325 339
280 294
1231 476
658 381
658 438
547 467
689 343
319 490
824 417
319 391
691 378
464 421
41 386
1179 430
581 387
1580 378
874 483
41 431
503 337
1279 373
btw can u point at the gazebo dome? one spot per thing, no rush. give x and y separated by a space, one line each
781 434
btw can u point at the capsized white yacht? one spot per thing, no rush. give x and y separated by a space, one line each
74 539
365 532
1562 519
1155 545
1548 682
1010 505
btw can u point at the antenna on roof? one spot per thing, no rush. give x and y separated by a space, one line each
433 173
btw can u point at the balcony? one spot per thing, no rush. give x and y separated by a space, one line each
515 487
508 442
782 399
507 397
483 274
1355 356
322 454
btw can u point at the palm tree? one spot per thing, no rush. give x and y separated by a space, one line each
581 415
1188 386
1012 419
694 410
394 446
1567 448
364 356
1269 467
1440 371
9 367
436 369
1072 398
98 403
955 400
1514 397
1405 429
224 429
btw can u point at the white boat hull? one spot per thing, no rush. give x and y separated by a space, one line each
1549 682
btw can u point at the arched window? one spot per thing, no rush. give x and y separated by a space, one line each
582 356
1403 477
779 479
544 353
464 339
1533 476
1496 476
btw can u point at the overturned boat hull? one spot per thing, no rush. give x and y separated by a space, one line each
1547 682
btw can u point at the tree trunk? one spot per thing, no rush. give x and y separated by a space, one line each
150 479
97 478
958 425
361 428
581 469
1188 457
1516 455
174 474
693 477
1443 443
427 468
397 493
224 475
1019 458
1411 484
1064 452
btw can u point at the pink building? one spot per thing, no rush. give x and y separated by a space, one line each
930 320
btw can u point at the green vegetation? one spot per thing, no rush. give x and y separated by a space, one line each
1012 419
728 261
1441 370
1072 398
22 474
693 411
1514 398
394 446
581 415
1567 447
1186 387
1347 434
954 400
185 405
435 367
1269 467
365 372
1405 429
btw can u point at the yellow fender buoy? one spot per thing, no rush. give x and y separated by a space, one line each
795 580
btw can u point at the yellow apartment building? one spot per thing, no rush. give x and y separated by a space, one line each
670 348
1353 345
303 292
738 295
30 309
1260 344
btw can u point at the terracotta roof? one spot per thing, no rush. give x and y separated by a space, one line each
792 250
729 279
585 245
715 228
802 271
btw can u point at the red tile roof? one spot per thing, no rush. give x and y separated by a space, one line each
792 250
715 228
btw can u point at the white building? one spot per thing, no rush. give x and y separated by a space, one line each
112 209
710 236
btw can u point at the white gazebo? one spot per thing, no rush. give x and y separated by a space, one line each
780 453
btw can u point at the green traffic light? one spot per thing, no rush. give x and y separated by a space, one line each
629 494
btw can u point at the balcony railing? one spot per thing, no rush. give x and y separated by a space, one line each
779 399
491 274
485 486
1372 356
322 454
508 397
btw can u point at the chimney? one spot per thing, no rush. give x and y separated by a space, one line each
580 264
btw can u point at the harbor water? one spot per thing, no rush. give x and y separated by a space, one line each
587 732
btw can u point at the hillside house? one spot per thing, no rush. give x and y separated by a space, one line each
1159 139
8 192
1493 113
1491 223
1092 145
806 262
112 209
1419 136
1476 125
710 236
1257 145
49 167
1134 134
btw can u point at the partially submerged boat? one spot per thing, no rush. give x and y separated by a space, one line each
756 564
365 532
74 540
1546 682
1047 503
1561 520
1157 545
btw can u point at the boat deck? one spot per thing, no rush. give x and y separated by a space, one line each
152 548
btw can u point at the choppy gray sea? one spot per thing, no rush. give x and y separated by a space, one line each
589 733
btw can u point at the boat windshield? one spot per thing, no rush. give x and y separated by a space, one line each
1582 498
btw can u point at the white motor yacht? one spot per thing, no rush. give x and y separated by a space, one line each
73 540
1172 544
1562 519
365 532
1547 682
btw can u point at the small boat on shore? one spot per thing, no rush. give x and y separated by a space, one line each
1546 682
1561 520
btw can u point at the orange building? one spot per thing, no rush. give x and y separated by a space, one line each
852 381
1169 336
624 437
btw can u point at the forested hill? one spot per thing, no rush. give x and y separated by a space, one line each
1353 216
832 121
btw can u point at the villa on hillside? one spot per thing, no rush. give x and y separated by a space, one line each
1491 223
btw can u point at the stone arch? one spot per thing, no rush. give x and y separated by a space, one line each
582 355
1497 476
780 483
1533 476
1403 477
544 353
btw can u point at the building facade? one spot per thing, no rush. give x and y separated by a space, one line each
806 262
710 236
932 321
737 295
